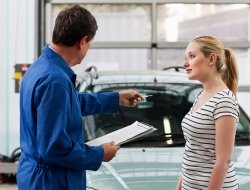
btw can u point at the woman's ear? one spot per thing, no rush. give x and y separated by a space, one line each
213 58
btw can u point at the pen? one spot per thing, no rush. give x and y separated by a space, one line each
144 97
148 95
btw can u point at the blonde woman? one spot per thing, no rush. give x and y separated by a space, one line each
210 125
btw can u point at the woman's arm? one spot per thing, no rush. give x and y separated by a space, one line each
224 142
178 186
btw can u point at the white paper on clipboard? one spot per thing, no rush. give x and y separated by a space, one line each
123 135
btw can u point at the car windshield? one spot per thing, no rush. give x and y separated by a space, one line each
164 107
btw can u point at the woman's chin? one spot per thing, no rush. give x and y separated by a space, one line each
190 77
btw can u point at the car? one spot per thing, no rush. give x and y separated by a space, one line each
152 161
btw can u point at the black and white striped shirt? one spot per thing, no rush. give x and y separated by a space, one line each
199 131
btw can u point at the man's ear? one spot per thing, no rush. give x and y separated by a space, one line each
213 58
83 42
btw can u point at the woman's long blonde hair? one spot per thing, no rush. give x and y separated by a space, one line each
225 64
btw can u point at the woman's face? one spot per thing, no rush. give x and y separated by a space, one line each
195 62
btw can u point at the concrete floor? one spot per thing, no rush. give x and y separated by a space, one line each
8 187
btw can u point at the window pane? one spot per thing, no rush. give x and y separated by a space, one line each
175 57
181 22
243 98
116 59
122 22
170 58
243 59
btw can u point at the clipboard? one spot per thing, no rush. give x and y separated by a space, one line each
123 135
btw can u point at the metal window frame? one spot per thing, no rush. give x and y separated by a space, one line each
153 44
149 1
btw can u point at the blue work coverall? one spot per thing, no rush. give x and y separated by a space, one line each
54 156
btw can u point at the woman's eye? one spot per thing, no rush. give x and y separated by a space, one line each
191 56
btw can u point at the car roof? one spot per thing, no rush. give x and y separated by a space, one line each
142 77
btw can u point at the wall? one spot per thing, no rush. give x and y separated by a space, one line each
17 45
17 19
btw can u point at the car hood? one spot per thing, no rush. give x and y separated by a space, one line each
154 168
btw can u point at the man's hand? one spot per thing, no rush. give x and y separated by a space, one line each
109 151
129 97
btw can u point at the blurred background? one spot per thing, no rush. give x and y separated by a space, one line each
134 35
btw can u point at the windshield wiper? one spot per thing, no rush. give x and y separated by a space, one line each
92 188
159 137
242 138
172 134
167 135
243 133
116 124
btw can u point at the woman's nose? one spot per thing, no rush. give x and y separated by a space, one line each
185 63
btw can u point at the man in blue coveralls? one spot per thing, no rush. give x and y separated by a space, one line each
54 156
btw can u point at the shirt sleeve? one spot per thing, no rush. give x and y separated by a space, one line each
57 143
227 106
97 103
